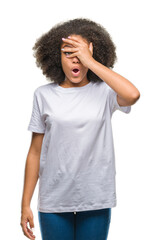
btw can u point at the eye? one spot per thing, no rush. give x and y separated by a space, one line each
67 53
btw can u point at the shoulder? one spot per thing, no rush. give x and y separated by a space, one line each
100 84
104 87
43 89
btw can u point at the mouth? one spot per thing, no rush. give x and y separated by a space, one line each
75 71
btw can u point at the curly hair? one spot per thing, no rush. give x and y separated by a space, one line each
47 49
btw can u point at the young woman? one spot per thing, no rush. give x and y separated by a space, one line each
72 152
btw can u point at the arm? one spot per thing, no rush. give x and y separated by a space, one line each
30 180
32 168
128 94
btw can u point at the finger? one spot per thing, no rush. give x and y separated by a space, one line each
70 41
27 232
73 38
91 47
66 49
72 55
31 224
80 41
31 221
31 233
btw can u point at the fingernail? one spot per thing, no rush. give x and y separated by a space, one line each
62 49
63 38
69 37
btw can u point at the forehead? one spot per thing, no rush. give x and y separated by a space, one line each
73 35
79 37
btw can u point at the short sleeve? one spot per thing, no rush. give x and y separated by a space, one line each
36 123
114 104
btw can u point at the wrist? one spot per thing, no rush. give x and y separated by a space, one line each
25 203
91 63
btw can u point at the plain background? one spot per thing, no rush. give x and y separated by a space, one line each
135 30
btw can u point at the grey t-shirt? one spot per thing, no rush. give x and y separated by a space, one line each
77 161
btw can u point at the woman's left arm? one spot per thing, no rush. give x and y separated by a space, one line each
127 93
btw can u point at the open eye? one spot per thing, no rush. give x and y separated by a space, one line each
67 53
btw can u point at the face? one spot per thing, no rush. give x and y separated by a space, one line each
68 64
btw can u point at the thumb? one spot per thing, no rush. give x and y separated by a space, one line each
91 47
31 222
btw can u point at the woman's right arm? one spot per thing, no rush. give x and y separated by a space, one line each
30 179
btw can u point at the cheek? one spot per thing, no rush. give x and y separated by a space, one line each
85 70
62 59
65 64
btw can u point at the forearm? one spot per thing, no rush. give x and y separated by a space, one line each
30 178
119 84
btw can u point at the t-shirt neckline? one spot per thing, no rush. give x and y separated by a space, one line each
73 89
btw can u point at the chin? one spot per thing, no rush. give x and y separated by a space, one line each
75 80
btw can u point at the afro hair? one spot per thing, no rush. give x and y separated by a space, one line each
47 48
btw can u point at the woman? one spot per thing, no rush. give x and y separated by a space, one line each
72 150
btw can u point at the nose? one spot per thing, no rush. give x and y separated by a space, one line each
75 60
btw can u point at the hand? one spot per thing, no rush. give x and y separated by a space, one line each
27 216
80 49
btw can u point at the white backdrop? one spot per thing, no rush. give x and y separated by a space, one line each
135 30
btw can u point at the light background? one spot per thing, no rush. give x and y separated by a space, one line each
135 30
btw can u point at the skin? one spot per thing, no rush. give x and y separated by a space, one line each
82 53
86 50
30 181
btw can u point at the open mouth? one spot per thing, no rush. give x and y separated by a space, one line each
75 71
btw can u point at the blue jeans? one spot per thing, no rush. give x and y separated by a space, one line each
84 225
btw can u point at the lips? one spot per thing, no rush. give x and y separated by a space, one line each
75 71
